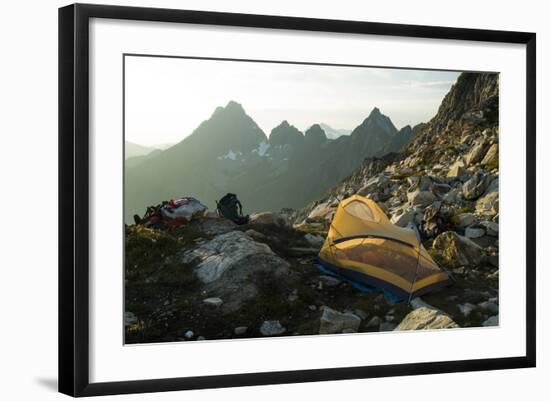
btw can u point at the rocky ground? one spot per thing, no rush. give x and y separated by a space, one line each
212 279
215 280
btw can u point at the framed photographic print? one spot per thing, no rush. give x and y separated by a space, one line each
278 199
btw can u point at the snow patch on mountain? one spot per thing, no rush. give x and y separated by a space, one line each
262 149
230 155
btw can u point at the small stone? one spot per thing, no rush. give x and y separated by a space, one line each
374 322
491 227
474 232
201 338
491 155
493 275
272 328
475 186
387 326
314 240
460 271
441 189
466 308
465 219
488 203
476 153
403 219
332 321
239 331
425 183
189 334
413 181
451 196
214 301
312 307
419 303
292 297
456 170
129 318
421 198
492 321
489 306
330 281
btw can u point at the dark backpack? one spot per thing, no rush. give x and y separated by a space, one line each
231 208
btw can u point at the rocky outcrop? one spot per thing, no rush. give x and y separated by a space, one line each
457 250
269 218
225 263
425 318
476 154
475 186
491 157
488 203
421 198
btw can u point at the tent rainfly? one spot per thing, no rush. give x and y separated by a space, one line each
364 246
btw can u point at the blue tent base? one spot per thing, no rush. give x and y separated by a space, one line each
391 298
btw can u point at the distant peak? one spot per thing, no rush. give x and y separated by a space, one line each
375 112
231 108
285 126
284 133
316 127
234 105
376 121
315 132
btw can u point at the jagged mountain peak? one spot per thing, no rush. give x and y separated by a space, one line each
285 134
371 136
375 112
315 134
471 102
233 105
232 108
472 91
377 120
315 129
229 129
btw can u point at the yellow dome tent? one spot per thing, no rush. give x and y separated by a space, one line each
364 246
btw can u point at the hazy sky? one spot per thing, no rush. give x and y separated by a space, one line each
166 99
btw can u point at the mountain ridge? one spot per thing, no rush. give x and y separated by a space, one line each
229 152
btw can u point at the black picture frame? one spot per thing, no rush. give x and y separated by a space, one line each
74 198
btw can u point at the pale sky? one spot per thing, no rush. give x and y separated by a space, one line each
167 98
